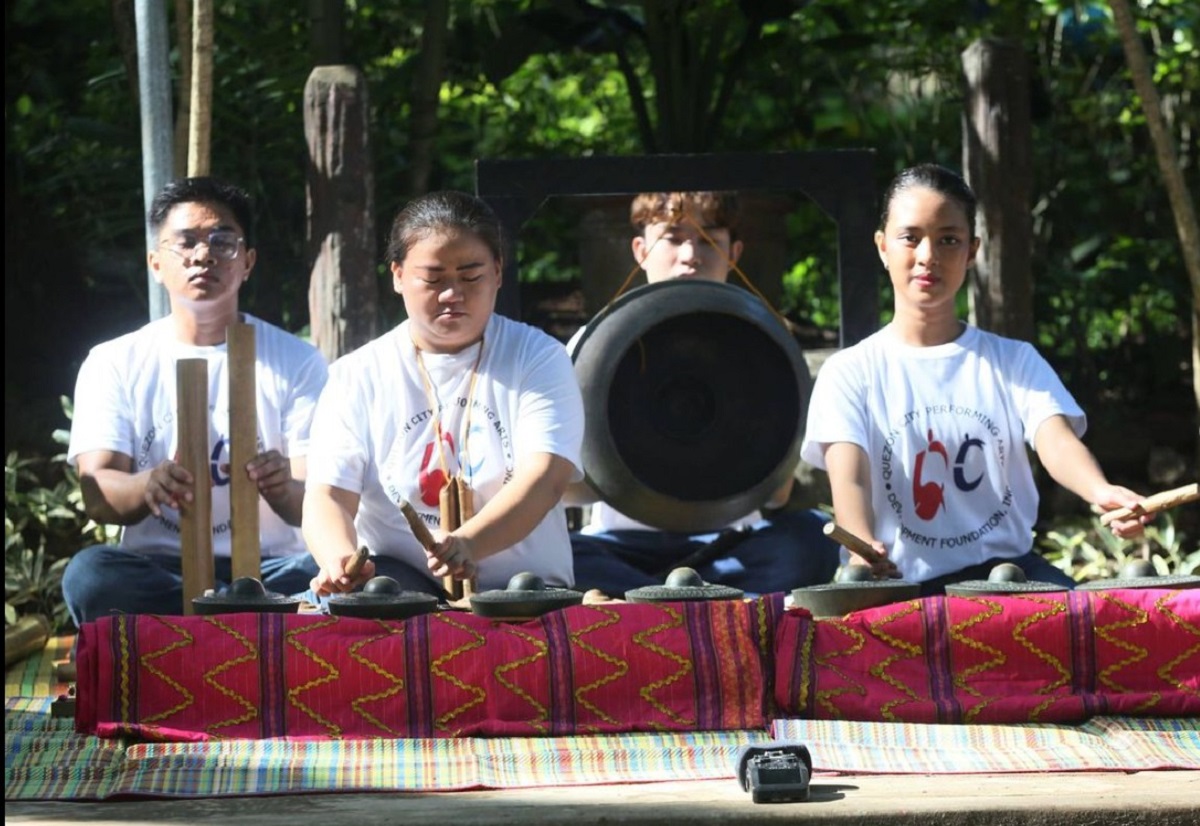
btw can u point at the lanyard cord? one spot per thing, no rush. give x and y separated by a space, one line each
436 403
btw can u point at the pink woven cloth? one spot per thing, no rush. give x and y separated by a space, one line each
1050 657
590 669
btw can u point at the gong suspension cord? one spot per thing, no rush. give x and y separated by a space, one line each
728 261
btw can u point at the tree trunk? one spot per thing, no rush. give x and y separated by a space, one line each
200 133
343 295
125 32
1182 205
326 24
427 84
997 156
183 119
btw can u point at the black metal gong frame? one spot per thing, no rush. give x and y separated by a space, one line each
840 182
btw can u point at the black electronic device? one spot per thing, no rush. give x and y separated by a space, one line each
775 771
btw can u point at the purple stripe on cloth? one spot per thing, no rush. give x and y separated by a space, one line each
801 696
417 679
937 652
767 611
273 687
562 686
1082 628
128 676
705 686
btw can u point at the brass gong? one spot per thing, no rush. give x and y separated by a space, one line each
694 394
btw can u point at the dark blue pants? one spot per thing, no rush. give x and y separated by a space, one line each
103 580
1035 566
778 554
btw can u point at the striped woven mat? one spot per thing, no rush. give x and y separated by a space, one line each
1100 744
44 759
35 675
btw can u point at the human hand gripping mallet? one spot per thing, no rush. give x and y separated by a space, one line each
856 544
424 537
354 566
1154 504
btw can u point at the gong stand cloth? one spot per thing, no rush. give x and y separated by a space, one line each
622 667
1057 657
589 669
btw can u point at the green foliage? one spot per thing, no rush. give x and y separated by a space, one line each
1109 279
1092 551
1111 291
803 297
44 525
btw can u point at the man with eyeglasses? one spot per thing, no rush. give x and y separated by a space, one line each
124 437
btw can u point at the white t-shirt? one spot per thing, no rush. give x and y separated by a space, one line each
943 428
125 402
374 435
604 517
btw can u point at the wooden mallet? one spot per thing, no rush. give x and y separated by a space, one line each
424 536
357 561
1154 504
854 543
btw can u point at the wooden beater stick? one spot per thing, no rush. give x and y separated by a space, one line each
454 588
419 528
357 561
243 447
195 518
858 545
1157 502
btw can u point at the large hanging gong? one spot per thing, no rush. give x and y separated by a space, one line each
695 395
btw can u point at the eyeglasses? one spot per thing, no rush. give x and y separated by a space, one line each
223 244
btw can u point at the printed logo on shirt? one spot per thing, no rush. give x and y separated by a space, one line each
928 496
947 471
476 459
219 479
432 480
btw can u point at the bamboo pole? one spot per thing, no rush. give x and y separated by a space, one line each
448 504
243 447
195 518
28 635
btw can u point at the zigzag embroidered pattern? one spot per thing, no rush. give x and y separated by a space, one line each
591 670
1024 658
643 668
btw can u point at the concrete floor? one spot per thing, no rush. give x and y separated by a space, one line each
1159 798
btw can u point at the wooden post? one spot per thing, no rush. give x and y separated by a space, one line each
243 447
343 293
195 518
997 157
